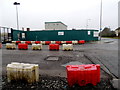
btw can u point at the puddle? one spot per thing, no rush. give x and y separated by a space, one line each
108 41
115 42
72 63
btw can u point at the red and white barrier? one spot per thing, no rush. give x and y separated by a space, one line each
50 42
17 42
37 42
58 42
47 42
68 42
83 74
74 42
53 42
63 42
53 46
43 42
22 46
81 42
28 42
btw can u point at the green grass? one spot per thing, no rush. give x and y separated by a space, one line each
112 37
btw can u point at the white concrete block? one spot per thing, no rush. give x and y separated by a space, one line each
14 42
67 47
53 42
43 42
36 46
74 42
23 71
63 42
10 46
33 42
22 41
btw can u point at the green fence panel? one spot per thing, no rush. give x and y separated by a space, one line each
55 35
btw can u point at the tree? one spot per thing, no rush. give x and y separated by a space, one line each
105 32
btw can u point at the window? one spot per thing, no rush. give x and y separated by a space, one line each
88 32
96 34
23 35
60 33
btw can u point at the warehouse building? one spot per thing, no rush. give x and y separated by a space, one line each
55 26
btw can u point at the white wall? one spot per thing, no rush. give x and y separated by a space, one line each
55 26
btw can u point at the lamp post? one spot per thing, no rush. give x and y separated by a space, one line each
100 19
15 3
87 23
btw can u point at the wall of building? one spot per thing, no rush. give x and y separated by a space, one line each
55 26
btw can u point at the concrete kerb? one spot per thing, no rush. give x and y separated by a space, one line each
114 79
98 62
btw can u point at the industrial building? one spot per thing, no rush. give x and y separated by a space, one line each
55 26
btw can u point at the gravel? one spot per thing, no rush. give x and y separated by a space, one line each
53 83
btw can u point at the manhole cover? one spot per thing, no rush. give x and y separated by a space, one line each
52 58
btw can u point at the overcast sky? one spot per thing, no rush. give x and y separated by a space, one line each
74 13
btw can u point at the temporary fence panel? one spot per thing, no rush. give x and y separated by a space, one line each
55 35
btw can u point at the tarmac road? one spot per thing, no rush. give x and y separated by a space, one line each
105 50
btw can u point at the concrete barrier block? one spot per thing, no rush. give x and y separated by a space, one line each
32 42
22 41
63 42
67 47
43 42
14 42
23 71
53 42
10 46
36 46
74 42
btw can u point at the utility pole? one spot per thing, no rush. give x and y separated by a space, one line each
15 3
100 18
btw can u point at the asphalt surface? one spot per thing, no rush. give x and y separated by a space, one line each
104 52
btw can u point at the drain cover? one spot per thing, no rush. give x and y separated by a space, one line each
52 58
